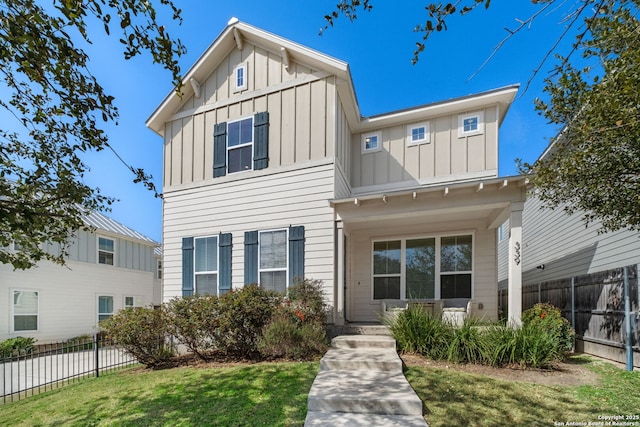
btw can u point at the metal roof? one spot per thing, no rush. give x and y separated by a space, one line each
104 223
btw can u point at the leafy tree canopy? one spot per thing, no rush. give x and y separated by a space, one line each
60 109
593 93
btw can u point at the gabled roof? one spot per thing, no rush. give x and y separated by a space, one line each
224 44
236 30
103 223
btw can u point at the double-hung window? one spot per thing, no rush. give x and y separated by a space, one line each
206 265
455 267
106 251
240 145
25 310
423 268
105 307
273 260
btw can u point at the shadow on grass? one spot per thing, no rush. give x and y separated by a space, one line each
457 399
265 394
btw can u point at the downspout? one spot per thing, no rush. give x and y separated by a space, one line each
627 319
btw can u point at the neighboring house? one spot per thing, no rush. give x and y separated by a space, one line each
579 270
271 173
106 270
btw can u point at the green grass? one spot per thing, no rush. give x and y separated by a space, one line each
454 398
272 394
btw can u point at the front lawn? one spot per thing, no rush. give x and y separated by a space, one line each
455 398
267 394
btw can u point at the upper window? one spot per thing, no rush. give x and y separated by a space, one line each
422 268
206 265
470 124
106 251
273 260
240 145
25 310
105 307
240 78
371 142
418 134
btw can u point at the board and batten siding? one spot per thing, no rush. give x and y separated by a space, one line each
68 296
362 306
300 102
83 246
446 157
298 196
567 248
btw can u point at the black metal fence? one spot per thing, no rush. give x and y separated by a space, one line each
50 366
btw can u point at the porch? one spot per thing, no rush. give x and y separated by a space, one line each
435 245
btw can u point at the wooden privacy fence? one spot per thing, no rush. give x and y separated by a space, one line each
593 303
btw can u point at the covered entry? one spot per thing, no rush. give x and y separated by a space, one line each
430 245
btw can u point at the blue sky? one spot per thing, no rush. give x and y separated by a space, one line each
378 46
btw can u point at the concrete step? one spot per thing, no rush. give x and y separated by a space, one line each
326 419
363 341
364 329
352 359
364 392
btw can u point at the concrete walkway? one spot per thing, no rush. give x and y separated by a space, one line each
361 383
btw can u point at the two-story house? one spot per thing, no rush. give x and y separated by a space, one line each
271 173
109 267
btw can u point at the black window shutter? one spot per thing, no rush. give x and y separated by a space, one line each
250 257
220 149
225 246
296 254
261 141
187 266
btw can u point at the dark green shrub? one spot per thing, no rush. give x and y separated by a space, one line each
549 318
467 343
194 322
307 297
535 347
501 345
143 333
417 331
287 335
242 314
18 346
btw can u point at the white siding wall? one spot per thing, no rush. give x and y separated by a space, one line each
298 196
362 306
566 247
68 296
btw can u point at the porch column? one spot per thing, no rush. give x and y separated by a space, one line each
515 265
339 276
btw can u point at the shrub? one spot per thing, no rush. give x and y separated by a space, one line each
549 318
290 336
242 314
79 343
467 343
307 296
417 331
18 346
142 332
535 346
193 321
501 345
